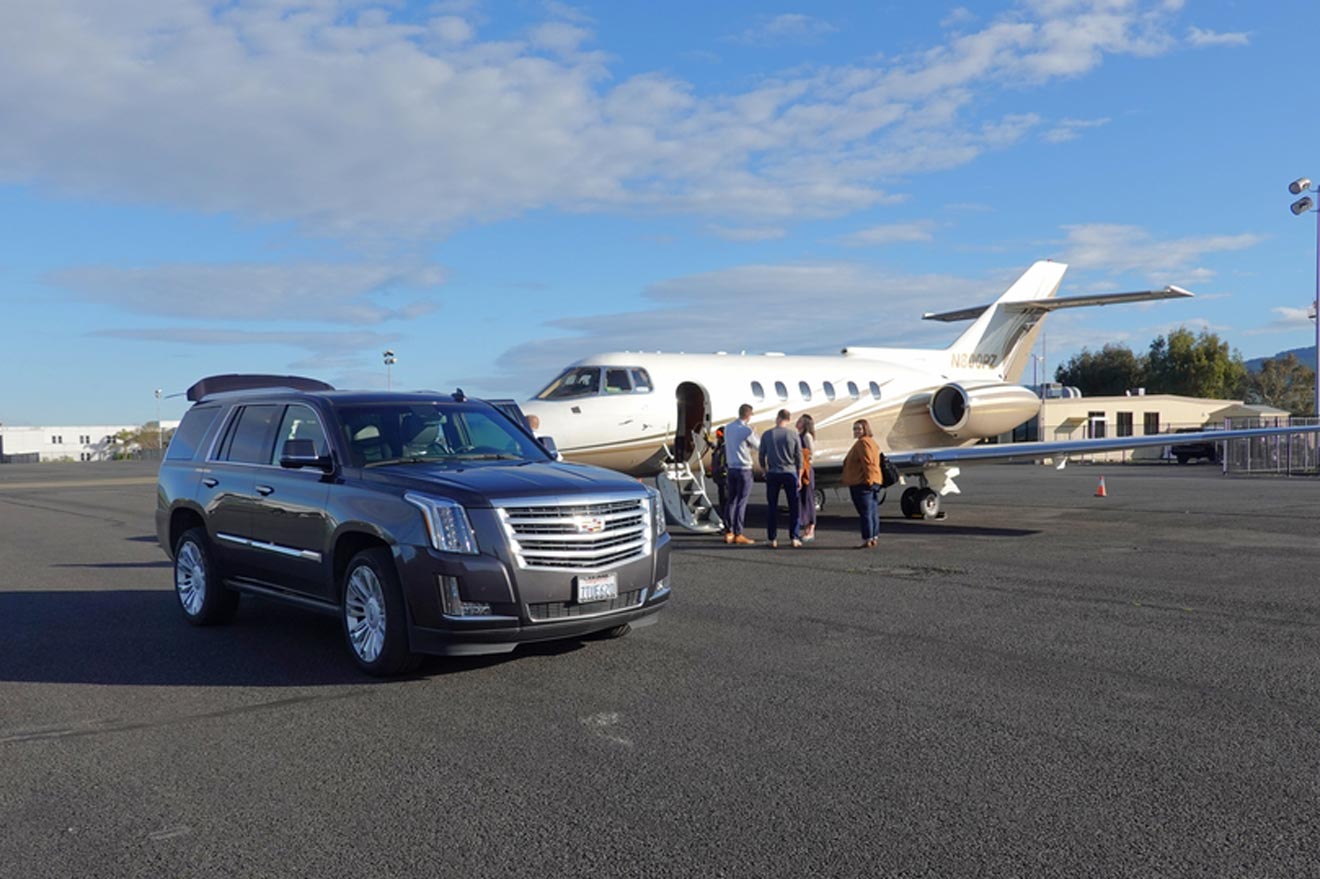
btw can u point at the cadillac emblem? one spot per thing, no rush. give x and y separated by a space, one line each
590 526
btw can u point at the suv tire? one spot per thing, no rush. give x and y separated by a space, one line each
203 596
374 620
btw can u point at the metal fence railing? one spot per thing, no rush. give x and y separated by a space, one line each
1292 454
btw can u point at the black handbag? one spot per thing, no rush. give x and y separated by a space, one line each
888 472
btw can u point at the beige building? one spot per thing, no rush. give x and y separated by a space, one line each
1139 414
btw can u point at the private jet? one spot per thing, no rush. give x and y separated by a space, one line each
650 414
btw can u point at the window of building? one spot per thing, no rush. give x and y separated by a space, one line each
852 390
781 391
1150 423
1095 425
1124 425
875 391
828 387
805 390
758 392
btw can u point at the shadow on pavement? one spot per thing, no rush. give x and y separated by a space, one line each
139 637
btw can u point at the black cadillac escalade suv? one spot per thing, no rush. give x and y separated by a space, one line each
427 523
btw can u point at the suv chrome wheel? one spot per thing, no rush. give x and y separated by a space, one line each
364 613
190 577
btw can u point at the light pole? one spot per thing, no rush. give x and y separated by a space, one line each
390 360
1299 207
160 439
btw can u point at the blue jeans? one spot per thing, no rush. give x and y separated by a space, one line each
866 498
740 489
787 483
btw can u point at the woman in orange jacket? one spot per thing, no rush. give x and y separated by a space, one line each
861 473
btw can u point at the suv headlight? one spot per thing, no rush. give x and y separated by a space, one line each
657 511
446 522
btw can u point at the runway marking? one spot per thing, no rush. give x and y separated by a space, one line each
600 724
169 833
79 483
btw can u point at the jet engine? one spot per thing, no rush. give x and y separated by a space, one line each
978 410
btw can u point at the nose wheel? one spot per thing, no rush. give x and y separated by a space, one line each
920 503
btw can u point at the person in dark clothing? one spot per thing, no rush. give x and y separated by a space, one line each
781 460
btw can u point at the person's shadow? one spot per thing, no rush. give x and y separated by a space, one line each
132 636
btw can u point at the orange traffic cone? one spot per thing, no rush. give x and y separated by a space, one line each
1100 489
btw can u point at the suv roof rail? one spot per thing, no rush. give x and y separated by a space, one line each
233 381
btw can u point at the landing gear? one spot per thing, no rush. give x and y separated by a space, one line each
920 503
818 497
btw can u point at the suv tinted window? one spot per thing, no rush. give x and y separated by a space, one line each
300 422
184 443
250 438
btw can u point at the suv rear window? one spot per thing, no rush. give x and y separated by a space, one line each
184 443
250 439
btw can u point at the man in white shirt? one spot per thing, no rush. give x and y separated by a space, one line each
740 444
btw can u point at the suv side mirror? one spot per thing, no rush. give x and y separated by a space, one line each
548 443
302 453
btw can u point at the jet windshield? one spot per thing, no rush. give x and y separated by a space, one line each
579 381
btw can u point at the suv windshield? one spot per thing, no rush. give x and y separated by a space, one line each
414 432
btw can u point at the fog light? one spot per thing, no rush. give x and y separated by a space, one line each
661 587
450 600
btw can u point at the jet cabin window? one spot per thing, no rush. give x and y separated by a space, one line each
578 381
875 391
805 390
828 387
780 391
852 390
758 392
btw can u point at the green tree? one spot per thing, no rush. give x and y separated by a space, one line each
1111 371
1195 366
1285 383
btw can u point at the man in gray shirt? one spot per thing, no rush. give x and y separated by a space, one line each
781 459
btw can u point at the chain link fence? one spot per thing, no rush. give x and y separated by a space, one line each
1292 454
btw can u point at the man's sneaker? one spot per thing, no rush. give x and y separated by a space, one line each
743 540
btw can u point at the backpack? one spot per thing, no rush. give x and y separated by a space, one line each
889 474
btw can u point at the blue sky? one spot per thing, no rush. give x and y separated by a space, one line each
493 190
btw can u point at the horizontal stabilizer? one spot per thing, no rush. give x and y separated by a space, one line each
1057 302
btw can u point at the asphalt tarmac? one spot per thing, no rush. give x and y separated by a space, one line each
1045 683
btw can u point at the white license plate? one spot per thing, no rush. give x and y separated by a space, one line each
599 587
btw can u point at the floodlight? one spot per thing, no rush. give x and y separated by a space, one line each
1300 185
1302 205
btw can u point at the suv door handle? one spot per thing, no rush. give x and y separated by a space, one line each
264 490
210 481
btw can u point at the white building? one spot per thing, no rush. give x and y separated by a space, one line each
72 443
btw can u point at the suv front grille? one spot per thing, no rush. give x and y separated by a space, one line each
591 536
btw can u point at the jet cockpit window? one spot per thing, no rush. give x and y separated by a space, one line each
852 390
805 390
616 381
641 381
875 391
780 391
828 387
576 381
758 392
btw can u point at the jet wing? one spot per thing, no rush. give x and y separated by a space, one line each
1054 303
919 459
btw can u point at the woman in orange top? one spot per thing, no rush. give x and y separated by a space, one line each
861 473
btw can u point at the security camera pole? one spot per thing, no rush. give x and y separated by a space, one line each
390 360
160 437
1299 207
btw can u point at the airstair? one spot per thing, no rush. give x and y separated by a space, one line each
682 486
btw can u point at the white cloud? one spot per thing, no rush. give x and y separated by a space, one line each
1286 320
1202 38
919 231
369 125
1116 249
1070 129
305 292
774 30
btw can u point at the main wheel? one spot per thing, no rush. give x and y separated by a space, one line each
927 503
375 623
907 502
203 598
818 496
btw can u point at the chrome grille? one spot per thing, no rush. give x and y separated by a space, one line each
582 535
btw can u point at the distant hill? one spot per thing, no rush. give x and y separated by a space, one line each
1306 355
